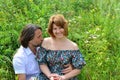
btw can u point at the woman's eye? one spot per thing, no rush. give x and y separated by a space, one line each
54 28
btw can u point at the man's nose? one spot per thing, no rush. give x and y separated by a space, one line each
42 39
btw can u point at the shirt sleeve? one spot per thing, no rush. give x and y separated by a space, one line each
19 65
41 55
78 60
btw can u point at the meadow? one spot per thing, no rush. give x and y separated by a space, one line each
93 24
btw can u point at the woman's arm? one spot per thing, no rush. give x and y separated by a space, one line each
44 68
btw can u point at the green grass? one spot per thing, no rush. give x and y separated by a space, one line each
93 24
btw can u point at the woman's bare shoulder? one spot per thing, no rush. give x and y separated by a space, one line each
47 39
73 45
46 42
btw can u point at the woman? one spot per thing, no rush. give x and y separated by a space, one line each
57 50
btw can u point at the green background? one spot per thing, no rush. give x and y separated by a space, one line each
93 24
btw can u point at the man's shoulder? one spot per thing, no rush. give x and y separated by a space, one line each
19 52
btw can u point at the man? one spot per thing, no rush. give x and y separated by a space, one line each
24 61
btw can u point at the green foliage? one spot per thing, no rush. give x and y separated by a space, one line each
94 25
6 69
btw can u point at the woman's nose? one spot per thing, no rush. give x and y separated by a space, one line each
58 30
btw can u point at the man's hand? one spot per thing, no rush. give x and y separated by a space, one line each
68 68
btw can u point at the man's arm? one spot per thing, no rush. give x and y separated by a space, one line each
71 74
21 77
68 68
19 68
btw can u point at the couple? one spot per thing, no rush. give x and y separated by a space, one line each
59 58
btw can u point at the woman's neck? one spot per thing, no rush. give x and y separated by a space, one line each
60 39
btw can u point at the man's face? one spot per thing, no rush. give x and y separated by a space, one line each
37 39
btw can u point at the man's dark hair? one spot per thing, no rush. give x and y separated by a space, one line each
27 34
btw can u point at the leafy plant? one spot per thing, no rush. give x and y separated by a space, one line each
94 25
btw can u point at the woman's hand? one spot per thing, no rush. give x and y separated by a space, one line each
54 76
68 68
57 78
62 78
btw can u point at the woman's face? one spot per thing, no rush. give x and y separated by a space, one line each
58 31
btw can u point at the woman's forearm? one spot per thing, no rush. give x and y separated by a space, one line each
46 71
44 68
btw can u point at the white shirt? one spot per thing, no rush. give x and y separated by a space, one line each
24 62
